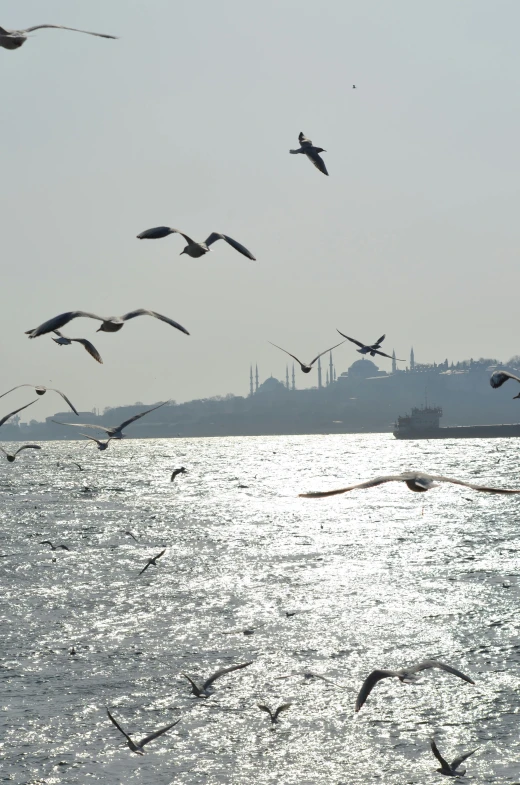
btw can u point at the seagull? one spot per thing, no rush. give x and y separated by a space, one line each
110 324
13 39
306 368
62 340
138 747
312 153
416 481
115 432
7 416
371 349
54 547
41 390
10 457
205 691
406 675
450 769
194 249
274 714
153 561
132 536
101 445
499 377
182 470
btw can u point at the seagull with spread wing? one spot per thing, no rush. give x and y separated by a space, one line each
39 389
54 547
371 349
498 378
416 481
406 676
313 153
109 324
137 747
152 561
306 368
11 414
450 769
175 472
205 691
100 444
11 456
194 249
276 713
115 432
62 340
14 39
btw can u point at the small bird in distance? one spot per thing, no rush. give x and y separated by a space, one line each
137 747
152 561
276 713
313 153
54 547
371 349
100 444
194 249
205 691
115 432
12 456
175 472
306 368
450 769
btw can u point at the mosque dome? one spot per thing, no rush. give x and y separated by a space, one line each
271 385
363 369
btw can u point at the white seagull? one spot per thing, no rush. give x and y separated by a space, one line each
499 377
137 747
194 249
371 349
205 691
100 445
11 456
39 389
110 324
11 414
13 39
312 153
306 368
406 676
416 481
62 340
450 769
117 431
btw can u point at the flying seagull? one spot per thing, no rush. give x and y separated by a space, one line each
11 456
132 536
101 445
194 249
62 340
499 377
450 769
416 481
110 324
137 747
54 547
13 39
153 561
306 368
312 153
371 349
274 714
7 416
41 390
205 691
182 470
406 676
117 431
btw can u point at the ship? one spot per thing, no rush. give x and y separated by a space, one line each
424 423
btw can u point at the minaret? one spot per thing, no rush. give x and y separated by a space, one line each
412 360
394 362
256 379
287 376
320 385
335 377
327 378
331 369
251 381
293 378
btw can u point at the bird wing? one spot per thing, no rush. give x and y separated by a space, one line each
57 332
485 488
160 554
132 536
369 684
499 377
16 388
62 27
27 447
64 547
325 352
194 686
456 763
286 352
4 419
281 708
317 160
158 232
379 341
118 726
145 567
383 354
445 765
135 417
91 349
144 312
352 340
160 732
60 321
422 666
303 140
265 708
367 484
85 425
4 452
46 542
65 399
214 236
223 671
92 438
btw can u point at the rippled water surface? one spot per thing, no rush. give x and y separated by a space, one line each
380 578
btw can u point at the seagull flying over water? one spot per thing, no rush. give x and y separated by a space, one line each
450 769
62 340
205 691
54 547
312 153
499 377
194 249
306 368
416 481
137 747
7 416
406 676
115 432
41 390
101 445
153 561
110 324
274 714
14 39
11 456
371 349
182 470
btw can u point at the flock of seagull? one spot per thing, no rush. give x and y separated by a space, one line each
415 481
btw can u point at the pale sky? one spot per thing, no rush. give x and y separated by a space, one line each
187 121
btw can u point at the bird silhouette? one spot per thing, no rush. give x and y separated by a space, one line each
54 547
194 249
313 153
175 472
152 561
12 456
11 414
62 340
41 390
450 769
205 690
14 39
306 368
371 349
109 324
137 747
276 713
115 432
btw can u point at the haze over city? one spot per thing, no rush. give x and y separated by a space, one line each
413 234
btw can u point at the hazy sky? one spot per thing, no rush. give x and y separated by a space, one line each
187 121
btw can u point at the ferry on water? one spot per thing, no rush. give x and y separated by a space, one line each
423 423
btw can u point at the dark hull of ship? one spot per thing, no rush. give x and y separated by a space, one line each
463 432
